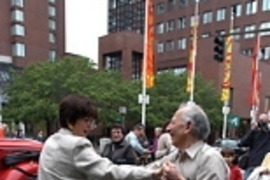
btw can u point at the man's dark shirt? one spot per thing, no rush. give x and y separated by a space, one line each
258 142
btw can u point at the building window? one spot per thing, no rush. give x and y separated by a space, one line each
183 3
265 25
236 9
205 35
52 24
265 53
52 11
182 43
265 5
192 20
18 49
236 36
18 30
221 14
18 3
171 5
112 4
207 17
160 8
179 70
182 23
136 65
113 61
169 45
52 38
52 55
175 70
248 29
220 32
160 47
160 28
17 15
170 25
267 105
251 7
247 52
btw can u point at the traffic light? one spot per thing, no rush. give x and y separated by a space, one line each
219 48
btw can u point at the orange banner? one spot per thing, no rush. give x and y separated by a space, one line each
191 61
254 95
225 92
149 53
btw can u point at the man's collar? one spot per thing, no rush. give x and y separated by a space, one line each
194 148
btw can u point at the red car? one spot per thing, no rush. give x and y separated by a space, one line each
19 159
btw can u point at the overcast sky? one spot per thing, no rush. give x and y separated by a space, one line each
86 20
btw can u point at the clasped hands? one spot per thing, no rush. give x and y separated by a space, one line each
168 171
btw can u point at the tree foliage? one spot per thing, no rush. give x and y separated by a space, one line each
35 92
169 92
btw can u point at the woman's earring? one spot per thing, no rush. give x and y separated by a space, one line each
70 127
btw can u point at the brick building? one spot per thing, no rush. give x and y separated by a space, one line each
32 30
173 23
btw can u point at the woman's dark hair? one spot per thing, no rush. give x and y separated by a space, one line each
164 127
74 107
118 126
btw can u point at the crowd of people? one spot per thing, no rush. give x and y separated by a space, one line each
178 150
184 155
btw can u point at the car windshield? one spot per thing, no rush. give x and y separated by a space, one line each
229 143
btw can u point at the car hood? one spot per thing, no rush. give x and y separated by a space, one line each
20 144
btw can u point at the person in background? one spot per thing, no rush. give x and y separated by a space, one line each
144 140
257 139
229 156
119 151
68 154
261 172
19 134
153 147
39 136
133 139
164 144
3 128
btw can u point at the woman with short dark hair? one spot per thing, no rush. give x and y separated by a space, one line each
69 155
119 151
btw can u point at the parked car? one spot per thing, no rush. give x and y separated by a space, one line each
231 143
19 159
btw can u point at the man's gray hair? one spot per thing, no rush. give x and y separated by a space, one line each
194 113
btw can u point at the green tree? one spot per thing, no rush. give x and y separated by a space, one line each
111 91
34 93
169 92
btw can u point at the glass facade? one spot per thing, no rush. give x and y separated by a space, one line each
126 15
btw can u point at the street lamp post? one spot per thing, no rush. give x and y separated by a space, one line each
123 112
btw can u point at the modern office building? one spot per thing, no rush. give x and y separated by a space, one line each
126 15
31 30
122 48
175 18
